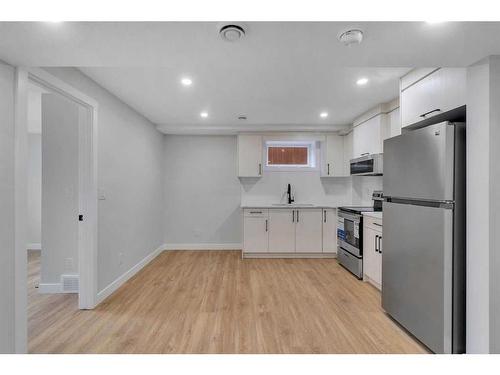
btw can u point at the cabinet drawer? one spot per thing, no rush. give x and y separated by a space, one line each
255 212
373 223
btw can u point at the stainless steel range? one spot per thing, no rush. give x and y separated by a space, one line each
350 234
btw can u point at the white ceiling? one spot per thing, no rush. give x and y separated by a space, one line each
281 73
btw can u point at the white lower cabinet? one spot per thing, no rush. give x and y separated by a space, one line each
289 231
309 231
372 251
329 230
281 231
256 231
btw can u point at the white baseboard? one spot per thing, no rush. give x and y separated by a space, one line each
203 246
50 288
34 246
290 255
106 292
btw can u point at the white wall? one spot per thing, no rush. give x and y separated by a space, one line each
307 187
7 261
130 170
483 203
34 230
60 119
202 192
363 187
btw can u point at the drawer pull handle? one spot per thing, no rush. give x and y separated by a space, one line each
255 212
377 224
428 113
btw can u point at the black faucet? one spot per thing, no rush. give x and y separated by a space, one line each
289 194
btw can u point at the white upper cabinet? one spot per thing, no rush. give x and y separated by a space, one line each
249 156
333 157
436 93
308 231
368 136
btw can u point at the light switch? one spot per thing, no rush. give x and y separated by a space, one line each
101 195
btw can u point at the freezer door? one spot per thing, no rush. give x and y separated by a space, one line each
419 164
417 271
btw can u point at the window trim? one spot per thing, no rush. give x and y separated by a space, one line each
312 156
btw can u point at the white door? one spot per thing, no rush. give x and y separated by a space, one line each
329 230
255 234
308 231
249 156
369 252
377 272
334 156
282 230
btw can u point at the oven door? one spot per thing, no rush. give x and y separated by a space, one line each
349 233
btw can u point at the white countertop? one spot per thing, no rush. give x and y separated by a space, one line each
376 215
298 205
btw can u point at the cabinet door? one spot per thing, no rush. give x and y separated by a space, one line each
369 252
255 234
443 90
367 137
308 231
348 153
249 156
282 231
334 156
377 271
329 230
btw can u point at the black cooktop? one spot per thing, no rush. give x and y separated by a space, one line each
359 209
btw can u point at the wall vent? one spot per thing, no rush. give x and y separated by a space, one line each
70 283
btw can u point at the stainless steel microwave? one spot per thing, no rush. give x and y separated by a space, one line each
367 165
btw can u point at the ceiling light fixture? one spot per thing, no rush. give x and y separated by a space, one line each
323 114
204 114
351 37
362 81
187 81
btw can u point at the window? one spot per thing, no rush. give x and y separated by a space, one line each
290 154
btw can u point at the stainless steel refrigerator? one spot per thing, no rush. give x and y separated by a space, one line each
423 264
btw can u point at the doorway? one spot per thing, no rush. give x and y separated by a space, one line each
68 231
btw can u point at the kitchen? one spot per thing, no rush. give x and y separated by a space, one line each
292 197
305 228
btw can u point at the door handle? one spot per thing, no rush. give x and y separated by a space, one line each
260 169
380 244
423 115
328 169
266 225
376 241
293 216
324 216
297 216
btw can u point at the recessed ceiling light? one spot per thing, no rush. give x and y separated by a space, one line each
323 114
187 81
362 81
204 114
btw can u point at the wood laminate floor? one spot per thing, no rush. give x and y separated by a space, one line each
215 302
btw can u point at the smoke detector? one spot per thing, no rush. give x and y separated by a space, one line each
351 37
231 32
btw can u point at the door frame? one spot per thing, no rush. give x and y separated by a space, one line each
87 194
